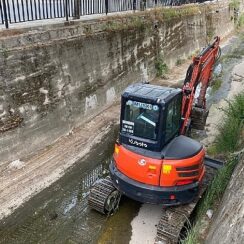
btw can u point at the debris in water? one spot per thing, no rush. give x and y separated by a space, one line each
70 205
16 164
53 215
217 70
209 213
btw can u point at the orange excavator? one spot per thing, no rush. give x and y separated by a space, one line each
154 161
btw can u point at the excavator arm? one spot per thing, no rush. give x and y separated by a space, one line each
198 73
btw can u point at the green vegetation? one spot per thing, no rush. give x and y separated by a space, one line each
87 30
213 194
210 34
235 54
160 66
4 52
216 84
231 56
234 4
170 13
145 20
125 24
218 186
231 130
238 19
240 22
230 138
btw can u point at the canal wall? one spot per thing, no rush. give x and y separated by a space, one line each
53 78
227 225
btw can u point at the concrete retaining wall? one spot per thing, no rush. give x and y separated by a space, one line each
227 226
53 78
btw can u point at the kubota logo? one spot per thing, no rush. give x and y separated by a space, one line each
137 143
142 162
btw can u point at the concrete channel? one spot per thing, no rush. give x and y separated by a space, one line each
60 214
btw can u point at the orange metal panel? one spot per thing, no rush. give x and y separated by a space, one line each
172 178
138 167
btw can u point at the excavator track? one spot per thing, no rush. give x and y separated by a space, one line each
174 218
104 197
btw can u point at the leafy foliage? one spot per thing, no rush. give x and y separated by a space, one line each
161 67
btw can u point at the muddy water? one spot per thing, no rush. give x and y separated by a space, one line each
60 213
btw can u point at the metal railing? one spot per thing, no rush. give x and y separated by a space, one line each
17 11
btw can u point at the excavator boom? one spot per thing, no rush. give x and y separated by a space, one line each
198 74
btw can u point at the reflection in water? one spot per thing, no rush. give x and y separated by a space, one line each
71 205
92 176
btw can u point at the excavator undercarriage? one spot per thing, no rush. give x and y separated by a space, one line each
105 199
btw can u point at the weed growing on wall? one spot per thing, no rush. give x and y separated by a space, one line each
125 24
4 52
162 14
234 4
210 34
87 30
143 21
160 66
238 18
240 21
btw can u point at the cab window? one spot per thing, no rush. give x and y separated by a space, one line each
141 119
173 118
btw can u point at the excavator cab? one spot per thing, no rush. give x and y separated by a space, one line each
150 116
152 162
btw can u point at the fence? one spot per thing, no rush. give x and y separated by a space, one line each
16 11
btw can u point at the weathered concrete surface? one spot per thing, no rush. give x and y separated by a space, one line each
53 79
20 180
228 224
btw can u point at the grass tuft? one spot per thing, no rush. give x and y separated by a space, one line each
217 186
234 4
232 127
